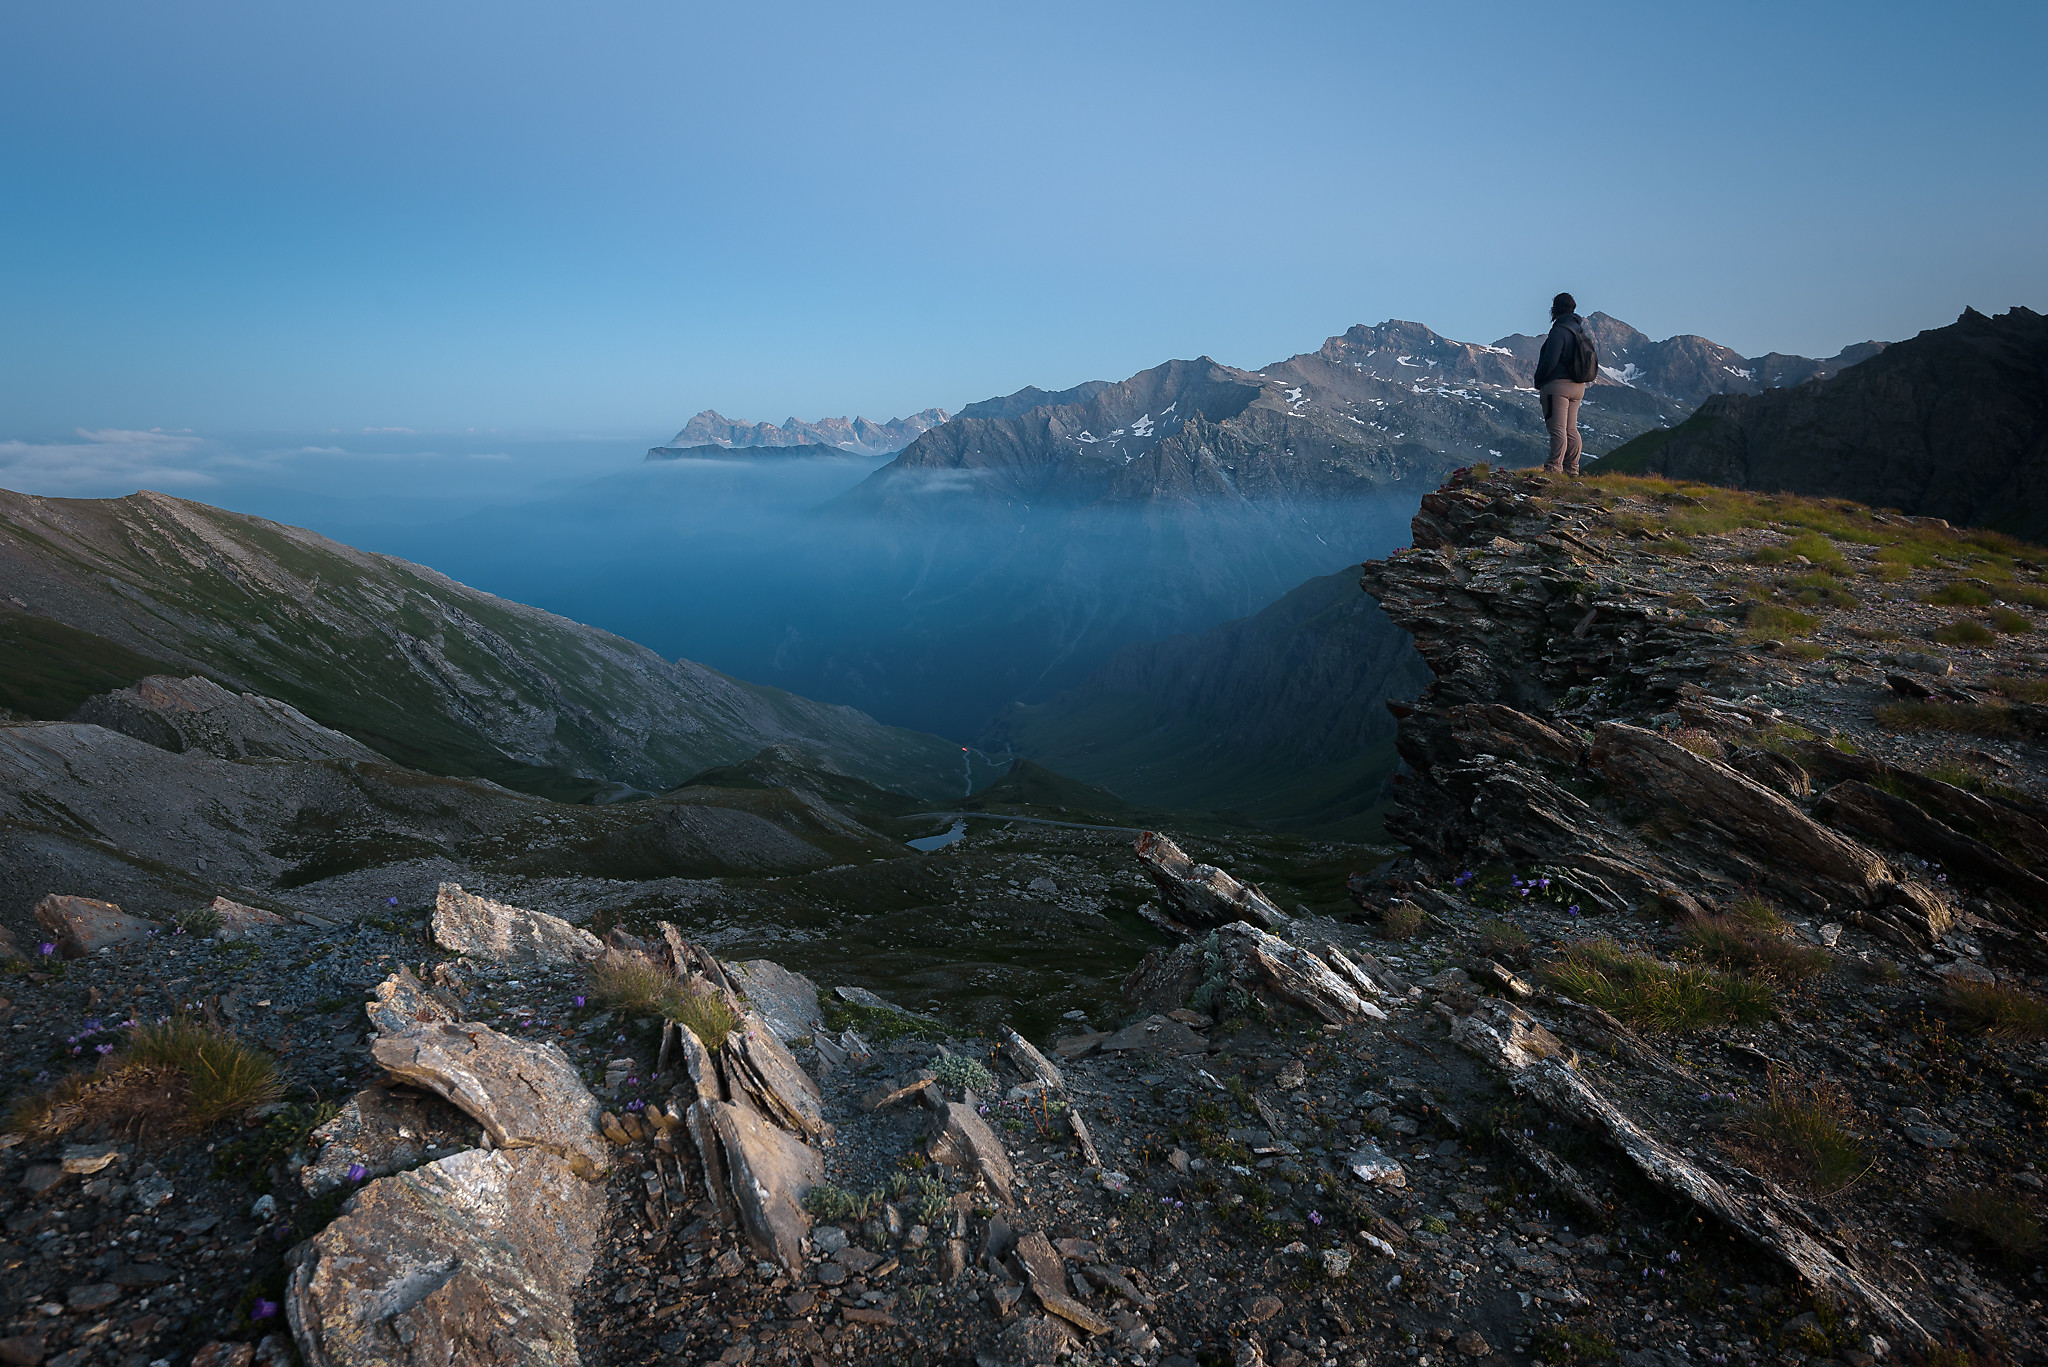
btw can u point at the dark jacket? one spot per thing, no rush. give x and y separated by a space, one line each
1555 362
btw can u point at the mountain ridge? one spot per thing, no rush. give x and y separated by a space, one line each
1952 423
857 434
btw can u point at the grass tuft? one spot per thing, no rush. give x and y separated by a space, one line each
1700 742
2021 690
1770 620
2011 623
1739 945
1999 1009
638 986
1643 992
1965 632
1505 941
1997 1218
178 1076
1802 1132
1957 594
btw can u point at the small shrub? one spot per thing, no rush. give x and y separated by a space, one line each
205 921
2009 622
1505 941
1875 634
2028 598
1801 1132
1999 1009
1699 742
1957 594
828 1202
1655 996
1823 590
1998 1218
958 1070
1965 632
1402 922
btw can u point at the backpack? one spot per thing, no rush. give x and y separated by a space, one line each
1584 365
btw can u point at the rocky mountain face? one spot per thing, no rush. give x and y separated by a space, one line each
1686 369
1279 716
858 435
406 661
1951 424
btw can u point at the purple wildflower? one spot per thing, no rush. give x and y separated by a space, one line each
263 1309
357 1172
391 901
579 1001
103 1049
48 949
1315 1217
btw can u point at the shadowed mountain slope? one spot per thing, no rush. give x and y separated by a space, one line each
422 669
1279 716
1951 424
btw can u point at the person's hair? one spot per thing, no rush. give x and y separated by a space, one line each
1562 305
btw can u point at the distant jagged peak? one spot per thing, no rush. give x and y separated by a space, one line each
856 434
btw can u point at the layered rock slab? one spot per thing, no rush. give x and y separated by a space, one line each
79 926
479 928
525 1094
471 1261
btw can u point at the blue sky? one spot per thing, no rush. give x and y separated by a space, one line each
564 224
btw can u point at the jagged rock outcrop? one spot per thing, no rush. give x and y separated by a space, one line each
1195 896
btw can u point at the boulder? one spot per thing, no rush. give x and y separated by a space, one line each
80 926
474 1259
965 1141
525 1093
1758 822
1270 965
1201 896
777 1083
478 928
241 922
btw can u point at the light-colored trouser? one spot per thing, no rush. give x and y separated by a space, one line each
1561 415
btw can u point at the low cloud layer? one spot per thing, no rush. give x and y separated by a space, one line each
109 461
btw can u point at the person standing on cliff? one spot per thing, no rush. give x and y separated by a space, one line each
1568 363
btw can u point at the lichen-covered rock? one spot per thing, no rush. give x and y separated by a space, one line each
401 1002
471 1260
375 1130
79 926
479 928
